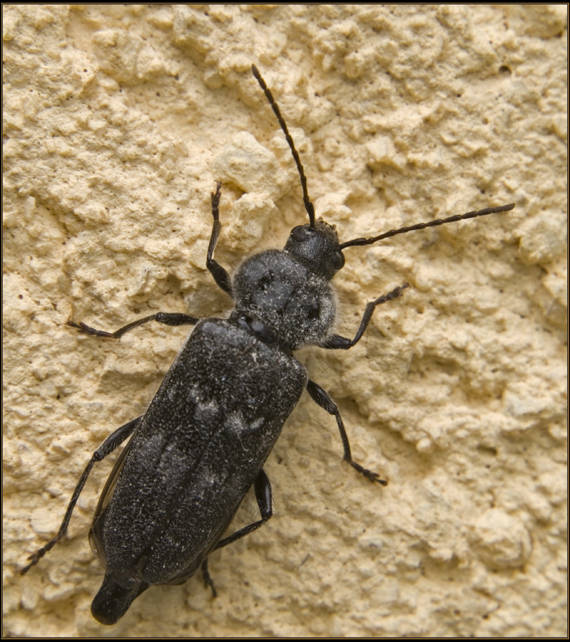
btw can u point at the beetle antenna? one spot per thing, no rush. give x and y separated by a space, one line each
421 226
306 200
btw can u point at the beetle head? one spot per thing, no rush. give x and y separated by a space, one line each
317 247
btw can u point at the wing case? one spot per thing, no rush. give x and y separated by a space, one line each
198 449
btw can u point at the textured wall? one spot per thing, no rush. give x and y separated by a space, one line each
118 121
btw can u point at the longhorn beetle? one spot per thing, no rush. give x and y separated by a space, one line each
205 436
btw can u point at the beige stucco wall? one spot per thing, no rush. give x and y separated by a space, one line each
118 121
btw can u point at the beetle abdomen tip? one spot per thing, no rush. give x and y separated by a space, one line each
113 599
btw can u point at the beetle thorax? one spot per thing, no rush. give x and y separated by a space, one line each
282 294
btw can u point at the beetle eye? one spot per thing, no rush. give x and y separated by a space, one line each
338 260
299 233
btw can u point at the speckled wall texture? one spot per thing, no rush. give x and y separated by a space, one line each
118 120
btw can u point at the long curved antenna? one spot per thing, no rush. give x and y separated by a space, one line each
306 200
421 226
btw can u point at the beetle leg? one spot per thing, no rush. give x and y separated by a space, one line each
219 273
208 581
323 399
104 449
335 341
263 495
168 318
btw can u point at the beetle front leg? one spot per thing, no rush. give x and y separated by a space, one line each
219 273
167 318
107 447
322 398
335 341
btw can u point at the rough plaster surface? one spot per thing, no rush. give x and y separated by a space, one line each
118 121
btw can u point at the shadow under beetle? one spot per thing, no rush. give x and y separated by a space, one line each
205 437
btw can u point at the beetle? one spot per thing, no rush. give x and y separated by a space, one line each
204 439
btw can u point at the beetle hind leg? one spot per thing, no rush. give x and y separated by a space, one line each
108 446
208 581
264 501
262 489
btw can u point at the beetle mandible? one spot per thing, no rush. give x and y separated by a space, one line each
203 441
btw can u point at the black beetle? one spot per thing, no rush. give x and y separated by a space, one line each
205 437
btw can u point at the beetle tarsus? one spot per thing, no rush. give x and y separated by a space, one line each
369 474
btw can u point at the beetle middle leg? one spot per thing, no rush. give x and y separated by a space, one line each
167 318
108 446
323 399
